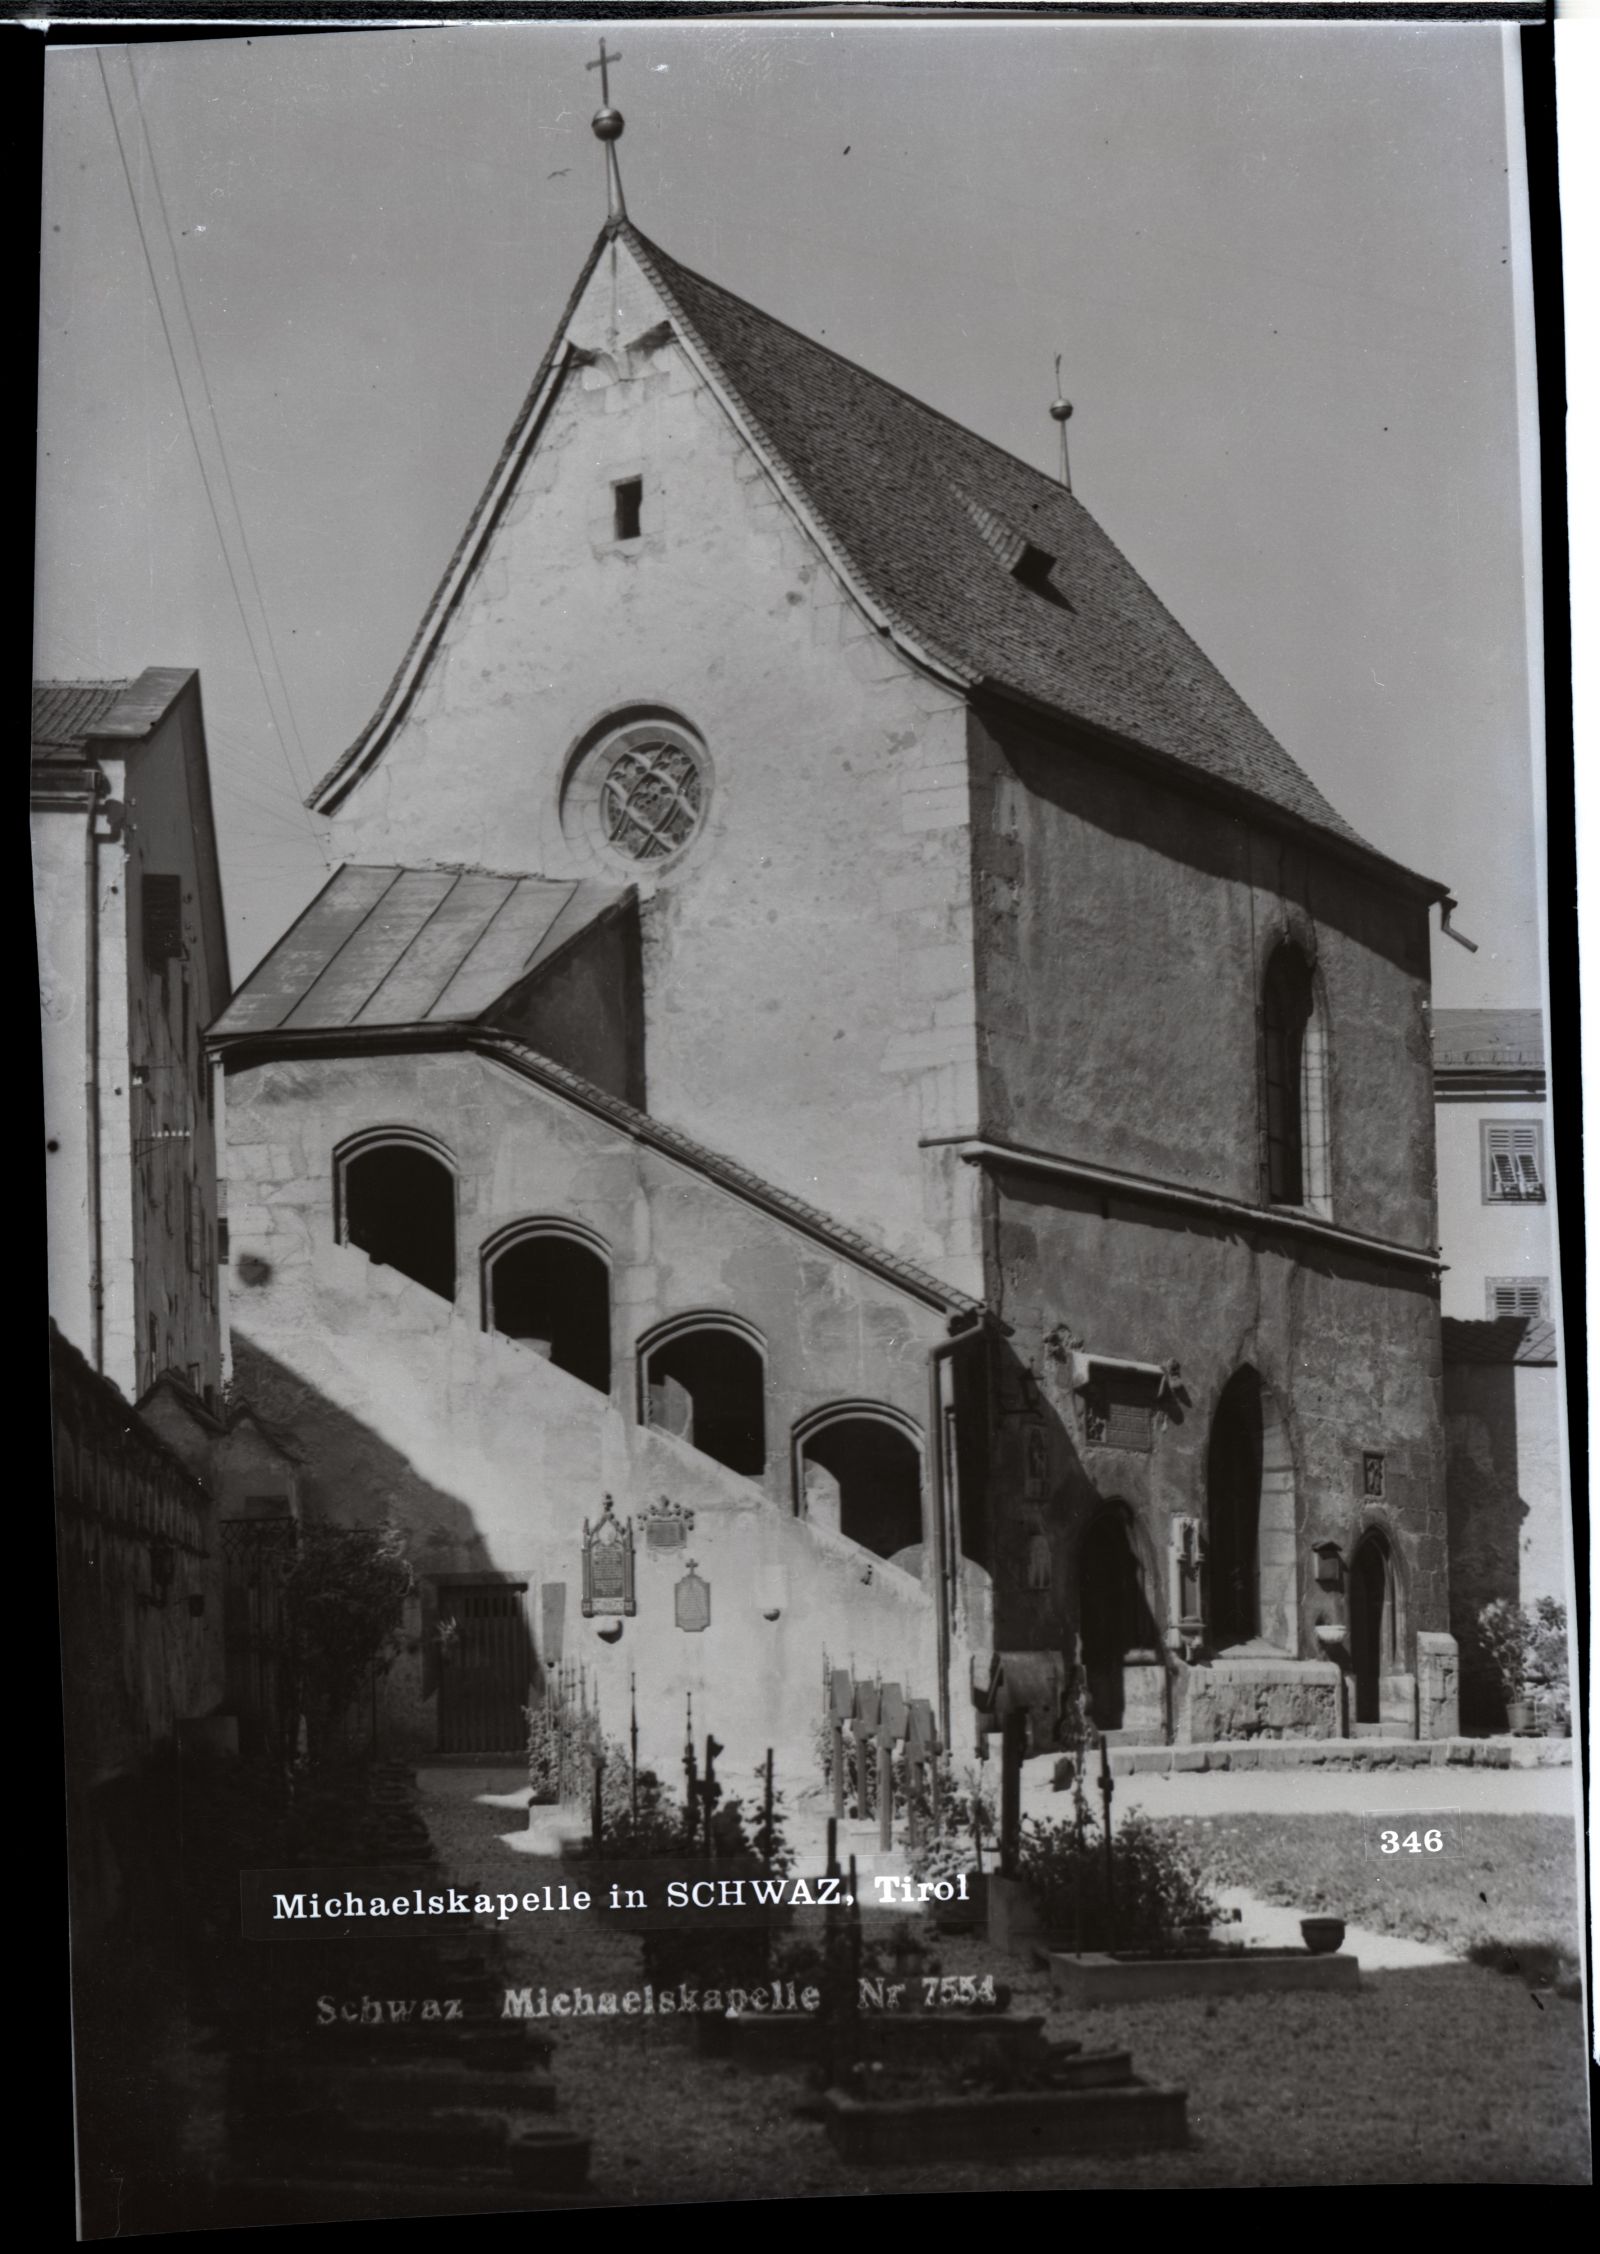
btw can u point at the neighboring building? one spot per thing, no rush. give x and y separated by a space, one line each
1492 1134
133 963
843 1048
141 1627
1509 1512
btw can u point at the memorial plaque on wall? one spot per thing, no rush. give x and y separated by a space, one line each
608 1565
691 1602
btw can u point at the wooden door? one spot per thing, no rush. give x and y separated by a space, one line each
485 1668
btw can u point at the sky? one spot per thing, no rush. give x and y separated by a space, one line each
1277 261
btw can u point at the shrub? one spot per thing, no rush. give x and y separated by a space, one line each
950 1850
344 1593
1159 1882
1524 1647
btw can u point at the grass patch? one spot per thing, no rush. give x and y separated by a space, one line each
1509 1889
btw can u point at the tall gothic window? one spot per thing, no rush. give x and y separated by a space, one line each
1295 1069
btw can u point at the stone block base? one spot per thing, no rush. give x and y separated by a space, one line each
1024 2124
1013 1922
1259 1698
1091 1979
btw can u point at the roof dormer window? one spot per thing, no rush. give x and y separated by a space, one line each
1033 570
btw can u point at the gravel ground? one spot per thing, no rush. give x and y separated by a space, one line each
1449 2075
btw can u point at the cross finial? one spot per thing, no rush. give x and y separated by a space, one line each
600 62
1061 414
606 125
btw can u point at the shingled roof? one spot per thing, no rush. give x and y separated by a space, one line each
1528 1340
67 713
915 500
934 522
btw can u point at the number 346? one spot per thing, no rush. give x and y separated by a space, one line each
1414 1842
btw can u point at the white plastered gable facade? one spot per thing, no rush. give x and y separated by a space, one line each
808 955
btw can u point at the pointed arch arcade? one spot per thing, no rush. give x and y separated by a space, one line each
547 1282
858 1469
394 1198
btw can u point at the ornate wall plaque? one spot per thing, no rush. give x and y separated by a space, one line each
608 1565
667 1525
691 1602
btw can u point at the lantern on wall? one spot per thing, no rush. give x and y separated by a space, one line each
1330 1565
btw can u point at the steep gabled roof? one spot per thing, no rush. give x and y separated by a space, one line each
990 569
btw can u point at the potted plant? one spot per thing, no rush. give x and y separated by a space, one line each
1524 1648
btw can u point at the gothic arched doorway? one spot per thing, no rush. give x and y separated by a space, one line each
1372 1622
1113 1612
1250 1520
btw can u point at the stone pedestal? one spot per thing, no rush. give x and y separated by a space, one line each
1397 1704
1259 1698
1013 1920
1438 1686
1144 1702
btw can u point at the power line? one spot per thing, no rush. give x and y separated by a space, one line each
216 426
194 436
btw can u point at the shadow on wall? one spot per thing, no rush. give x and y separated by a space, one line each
1486 1516
468 1662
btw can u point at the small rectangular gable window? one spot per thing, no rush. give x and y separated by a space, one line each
1518 1295
1513 1162
628 499
162 902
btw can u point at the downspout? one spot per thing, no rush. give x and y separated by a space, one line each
91 1012
946 1551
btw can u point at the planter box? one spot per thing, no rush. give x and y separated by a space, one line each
1131 2116
776 2039
1093 1979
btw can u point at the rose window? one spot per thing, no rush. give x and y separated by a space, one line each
650 801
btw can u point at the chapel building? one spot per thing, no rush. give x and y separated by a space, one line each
848 1106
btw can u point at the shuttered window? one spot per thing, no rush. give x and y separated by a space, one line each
1518 1295
1513 1162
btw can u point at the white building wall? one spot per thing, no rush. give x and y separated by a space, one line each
1481 1239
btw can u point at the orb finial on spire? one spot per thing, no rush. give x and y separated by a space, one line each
1061 412
606 125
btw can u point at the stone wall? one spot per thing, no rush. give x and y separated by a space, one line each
1123 928
1510 1524
403 1407
1346 1350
